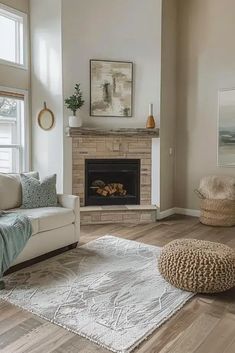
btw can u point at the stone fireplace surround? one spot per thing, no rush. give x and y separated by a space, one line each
91 143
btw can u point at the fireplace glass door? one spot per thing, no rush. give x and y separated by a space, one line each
112 182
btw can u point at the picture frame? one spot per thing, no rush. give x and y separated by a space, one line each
111 88
226 128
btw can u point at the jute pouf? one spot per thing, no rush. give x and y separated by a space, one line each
198 266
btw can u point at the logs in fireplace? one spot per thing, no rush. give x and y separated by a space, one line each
108 189
112 182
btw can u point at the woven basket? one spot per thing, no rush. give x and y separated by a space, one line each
218 212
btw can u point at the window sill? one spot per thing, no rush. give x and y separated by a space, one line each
12 64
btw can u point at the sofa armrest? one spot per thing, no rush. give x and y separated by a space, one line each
69 201
72 202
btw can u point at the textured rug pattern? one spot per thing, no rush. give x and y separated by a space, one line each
109 291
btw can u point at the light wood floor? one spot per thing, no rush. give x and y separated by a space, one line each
205 325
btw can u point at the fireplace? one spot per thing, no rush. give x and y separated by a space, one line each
112 182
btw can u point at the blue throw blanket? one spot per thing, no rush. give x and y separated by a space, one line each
15 231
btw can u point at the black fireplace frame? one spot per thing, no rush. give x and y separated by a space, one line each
129 200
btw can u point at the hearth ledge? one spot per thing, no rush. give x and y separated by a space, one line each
129 214
118 208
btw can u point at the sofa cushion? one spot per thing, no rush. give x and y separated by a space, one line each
34 223
48 218
11 190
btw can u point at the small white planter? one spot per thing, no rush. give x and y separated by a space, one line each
75 121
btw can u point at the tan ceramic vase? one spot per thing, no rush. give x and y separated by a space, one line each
150 124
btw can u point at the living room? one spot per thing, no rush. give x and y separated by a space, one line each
117 187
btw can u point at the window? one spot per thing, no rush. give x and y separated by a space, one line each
13 36
13 151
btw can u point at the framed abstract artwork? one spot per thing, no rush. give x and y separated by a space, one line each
111 88
226 128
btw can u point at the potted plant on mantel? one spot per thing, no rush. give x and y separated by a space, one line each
74 103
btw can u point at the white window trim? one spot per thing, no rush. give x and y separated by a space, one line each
25 154
13 11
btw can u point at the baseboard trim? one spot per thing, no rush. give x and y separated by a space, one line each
165 214
178 210
187 212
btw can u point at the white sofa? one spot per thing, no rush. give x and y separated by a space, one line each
53 227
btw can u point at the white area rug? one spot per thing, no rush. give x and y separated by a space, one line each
109 291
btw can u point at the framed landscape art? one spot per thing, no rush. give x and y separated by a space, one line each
226 128
111 88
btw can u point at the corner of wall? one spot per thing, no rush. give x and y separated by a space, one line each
168 104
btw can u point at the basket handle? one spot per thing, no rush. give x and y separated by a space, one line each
199 194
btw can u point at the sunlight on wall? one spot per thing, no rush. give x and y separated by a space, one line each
42 71
54 75
49 64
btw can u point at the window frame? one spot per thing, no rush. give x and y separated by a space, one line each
24 147
16 13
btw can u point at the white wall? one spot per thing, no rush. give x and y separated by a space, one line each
46 81
206 57
121 30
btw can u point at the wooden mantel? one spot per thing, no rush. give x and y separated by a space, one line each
81 131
